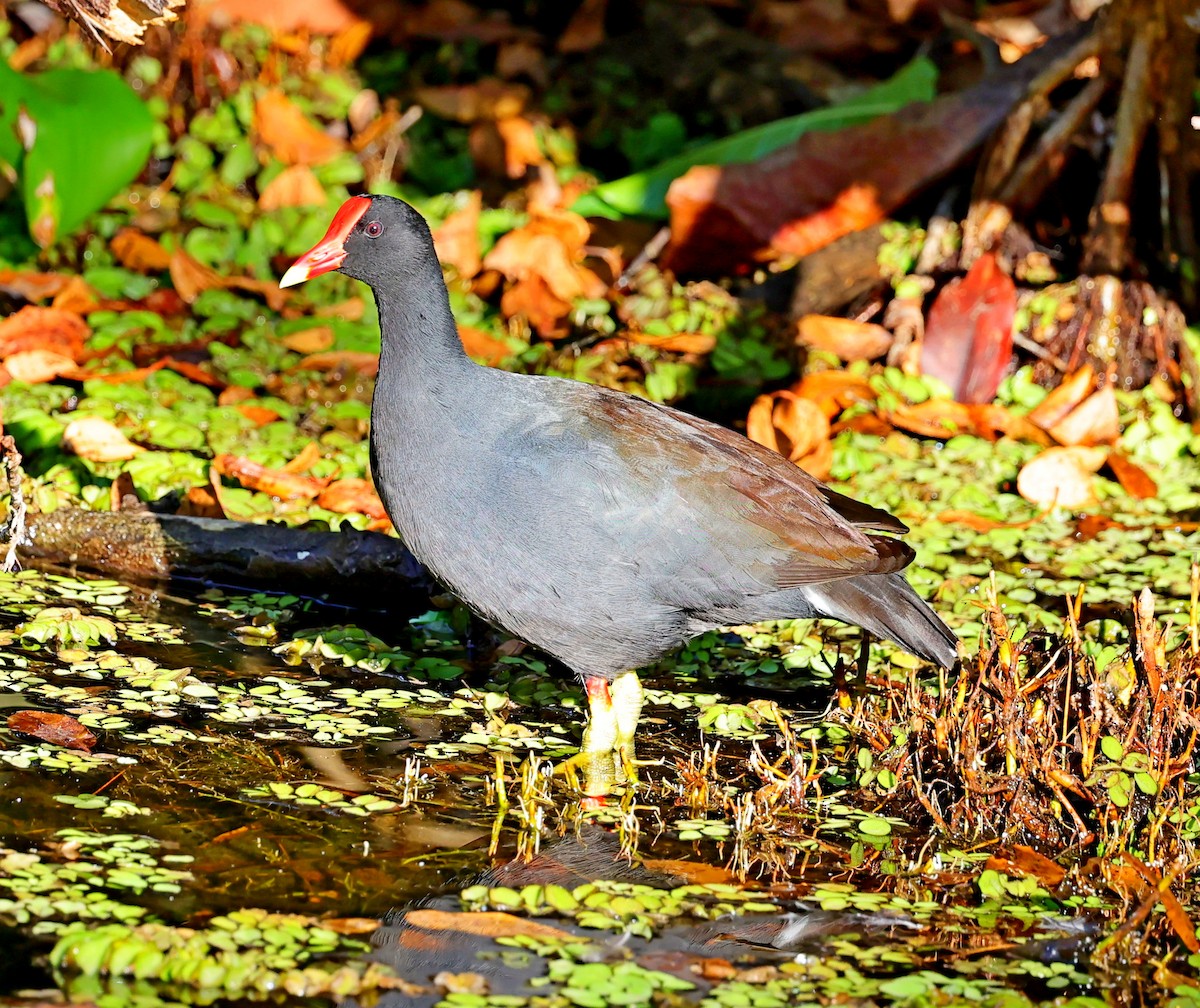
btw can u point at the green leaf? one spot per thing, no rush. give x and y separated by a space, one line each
83 135
644 193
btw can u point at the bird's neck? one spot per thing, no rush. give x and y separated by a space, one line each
420 348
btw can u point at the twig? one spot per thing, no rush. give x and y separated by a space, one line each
13 530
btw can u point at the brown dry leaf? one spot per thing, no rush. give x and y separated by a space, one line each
98 440
348 360
234 394
981 524
321 17
694 343
1071 391
191 278
483 346
585 30
308 457
348 44
34 328
137 251
1022 860
486 923
31 286
1062 477
352 310
295 186
309 341
76 297
260 416
521 148
467 103
346 496
938 418
457 240
351 925
834 391
544 258
57 729
532 300
693 872
522 58
1094 421
36 366
787 423
1183 926
1134 480
275 482
289 134
848 339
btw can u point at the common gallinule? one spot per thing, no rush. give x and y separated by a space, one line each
601 527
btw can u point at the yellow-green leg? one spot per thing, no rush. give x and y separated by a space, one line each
606 757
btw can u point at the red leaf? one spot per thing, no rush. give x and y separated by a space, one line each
968 338
57 729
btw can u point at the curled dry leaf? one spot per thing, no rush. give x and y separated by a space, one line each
1094 421
483 346
835 390
684 342
98 440
488 923
457 240
295 186
1071 391
31 286
292 138
346 496
309 341
36 366
57 729
467 103
34 328
191 278
274 482
1022 860
1062 477
793 426
137 251
848 339
1134 480
521 148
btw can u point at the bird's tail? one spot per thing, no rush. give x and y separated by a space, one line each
886 605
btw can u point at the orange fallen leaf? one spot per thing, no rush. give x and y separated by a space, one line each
980 523
258 415
275 482
531 299
351 925
348 44
585 30
309 341
98 440
295 186
695 872
489 98
486 923
1062 477
351 495
549 247
352 309
191 278
787 423
320 17
34 328
483 346
835 390
307 457
1021 860
848 339
1134 480
360 361
457 240
1059 401
684 342
290 135
32 286
521 148
36 366
137 251
76 297
1094 421
57 729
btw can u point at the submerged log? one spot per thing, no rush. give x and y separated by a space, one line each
347 567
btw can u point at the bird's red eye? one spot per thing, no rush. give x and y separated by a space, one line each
373 229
